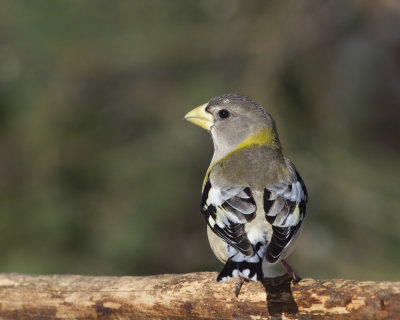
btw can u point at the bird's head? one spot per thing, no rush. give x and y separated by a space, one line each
235 121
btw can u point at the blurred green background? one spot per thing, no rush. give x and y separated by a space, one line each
99 175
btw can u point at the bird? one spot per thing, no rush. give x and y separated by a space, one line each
253 198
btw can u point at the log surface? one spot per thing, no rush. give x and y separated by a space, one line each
192 296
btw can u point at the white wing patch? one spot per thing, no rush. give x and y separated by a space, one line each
226 211
285 208
214 197
293 192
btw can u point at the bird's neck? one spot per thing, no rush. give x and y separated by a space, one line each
263 137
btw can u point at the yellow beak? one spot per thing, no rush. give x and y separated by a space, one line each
199 116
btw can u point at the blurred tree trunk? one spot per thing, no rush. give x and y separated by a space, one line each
192 296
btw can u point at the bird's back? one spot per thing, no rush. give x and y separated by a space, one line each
256 167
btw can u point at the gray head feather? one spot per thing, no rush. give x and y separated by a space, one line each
230 98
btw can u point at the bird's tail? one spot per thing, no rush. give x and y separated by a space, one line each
244 266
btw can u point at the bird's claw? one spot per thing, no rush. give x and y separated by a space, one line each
290 274
238 285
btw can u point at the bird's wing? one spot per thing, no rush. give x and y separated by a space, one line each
226 211
285 208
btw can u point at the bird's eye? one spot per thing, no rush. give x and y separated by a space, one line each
223 113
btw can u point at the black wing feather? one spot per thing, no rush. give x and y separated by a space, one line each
280 206
240 207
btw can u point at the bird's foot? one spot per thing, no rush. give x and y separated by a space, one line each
238 285
290 274
290 271
278 280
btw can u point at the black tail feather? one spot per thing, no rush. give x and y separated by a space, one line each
244 269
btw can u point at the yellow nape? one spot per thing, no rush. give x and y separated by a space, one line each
263 137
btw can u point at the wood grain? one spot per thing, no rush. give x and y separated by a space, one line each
192 296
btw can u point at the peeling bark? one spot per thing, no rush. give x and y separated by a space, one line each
192 296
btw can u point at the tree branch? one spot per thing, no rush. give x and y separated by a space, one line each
192 296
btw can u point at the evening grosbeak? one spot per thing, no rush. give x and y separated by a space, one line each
253 198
